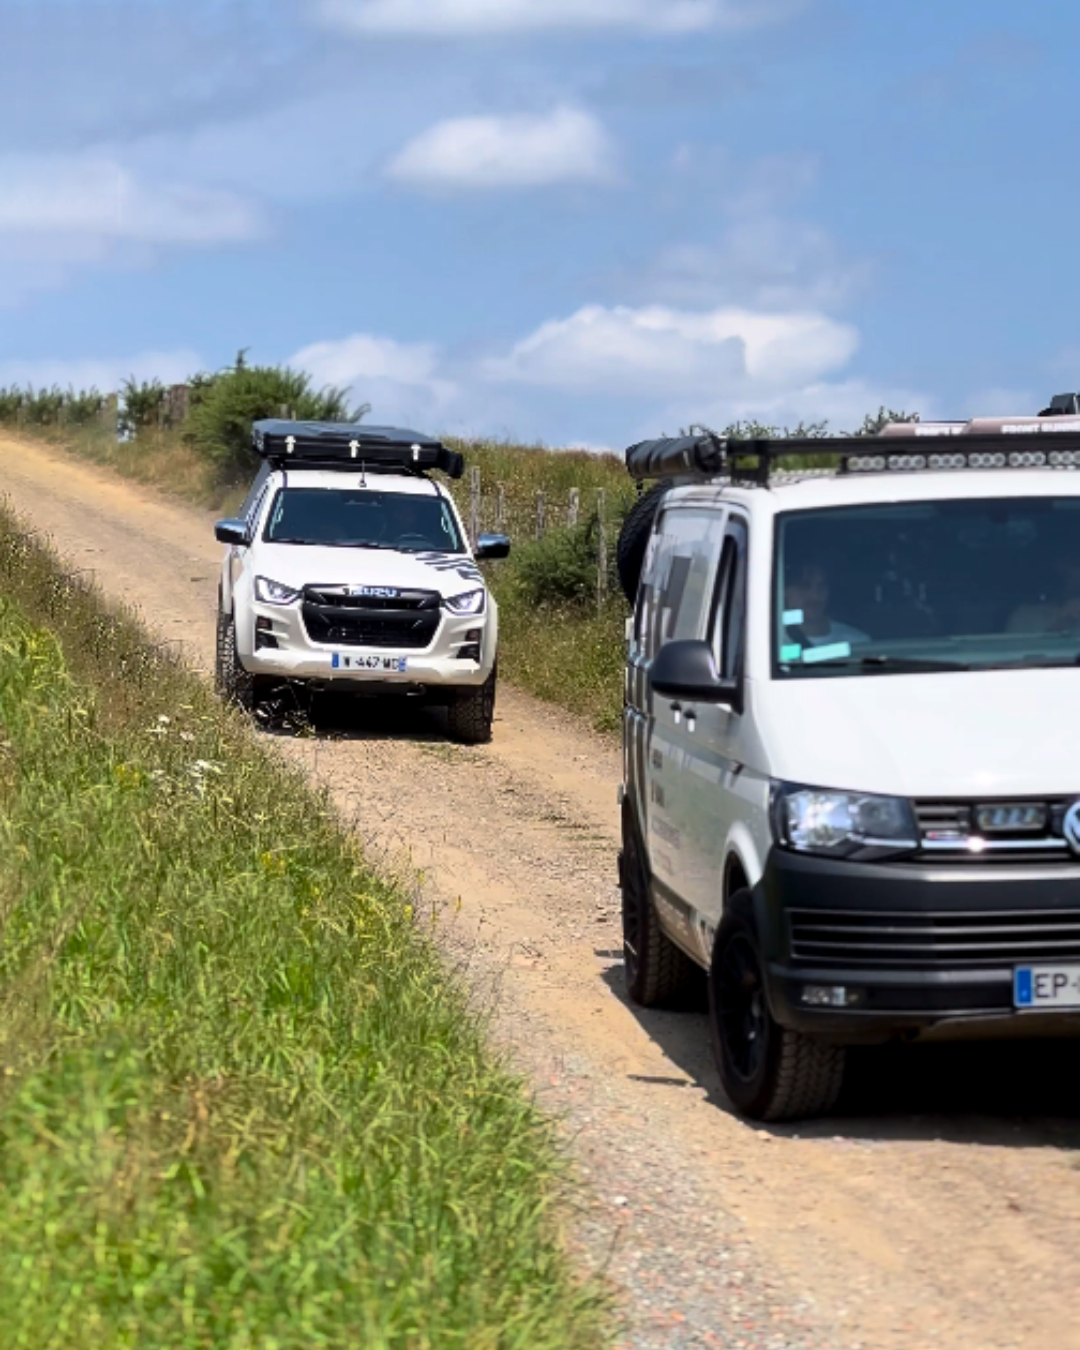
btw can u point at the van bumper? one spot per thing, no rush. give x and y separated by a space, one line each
925 950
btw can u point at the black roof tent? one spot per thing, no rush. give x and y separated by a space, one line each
982 443
352 445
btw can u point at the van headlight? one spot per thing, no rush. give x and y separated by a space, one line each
842 824
469 602
274 592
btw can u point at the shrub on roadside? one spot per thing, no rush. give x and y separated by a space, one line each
224 405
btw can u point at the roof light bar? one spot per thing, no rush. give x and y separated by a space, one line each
983 443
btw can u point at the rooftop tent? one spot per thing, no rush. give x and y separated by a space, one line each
350 445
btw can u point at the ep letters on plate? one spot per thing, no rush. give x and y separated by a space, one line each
1047 987
341 661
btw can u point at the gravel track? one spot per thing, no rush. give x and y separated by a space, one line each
939 1206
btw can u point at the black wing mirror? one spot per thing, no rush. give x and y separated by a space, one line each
231 531
490 546
687 670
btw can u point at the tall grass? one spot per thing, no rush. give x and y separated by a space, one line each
241 1103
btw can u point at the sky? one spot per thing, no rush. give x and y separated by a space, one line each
575 222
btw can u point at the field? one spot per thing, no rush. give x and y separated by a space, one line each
242 1104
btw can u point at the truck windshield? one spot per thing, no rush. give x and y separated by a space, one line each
363 518
927 586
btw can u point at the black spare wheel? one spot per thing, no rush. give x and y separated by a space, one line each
634 538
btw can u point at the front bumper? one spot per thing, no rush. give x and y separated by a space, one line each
888 933
294 656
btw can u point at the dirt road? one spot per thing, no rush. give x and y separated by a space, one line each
940 1207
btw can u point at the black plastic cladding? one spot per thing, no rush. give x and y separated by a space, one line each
708 457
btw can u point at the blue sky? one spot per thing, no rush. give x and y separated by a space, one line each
575 221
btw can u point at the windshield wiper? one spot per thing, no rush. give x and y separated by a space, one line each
887 663
911 663
332 543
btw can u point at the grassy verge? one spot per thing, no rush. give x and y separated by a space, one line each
563 652
241 1104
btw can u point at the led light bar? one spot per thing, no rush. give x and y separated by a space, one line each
983 443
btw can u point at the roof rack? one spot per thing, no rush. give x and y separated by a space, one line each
352 445
901 447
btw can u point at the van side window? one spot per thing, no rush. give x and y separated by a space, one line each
678 577
729 624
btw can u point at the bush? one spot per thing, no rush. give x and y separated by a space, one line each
141 404
224 405
561 567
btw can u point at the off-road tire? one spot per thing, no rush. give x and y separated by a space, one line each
634 538
658 973
232 682
471 712
786 1075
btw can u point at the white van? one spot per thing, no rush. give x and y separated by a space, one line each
852 744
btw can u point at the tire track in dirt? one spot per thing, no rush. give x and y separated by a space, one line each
942 1207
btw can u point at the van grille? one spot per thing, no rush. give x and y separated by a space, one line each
949 832
933 941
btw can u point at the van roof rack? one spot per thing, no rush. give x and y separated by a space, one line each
352 445
1051 441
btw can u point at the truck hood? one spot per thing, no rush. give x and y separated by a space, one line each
297 566
962 734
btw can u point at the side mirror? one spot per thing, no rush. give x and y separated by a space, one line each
231 532
687 670
492 546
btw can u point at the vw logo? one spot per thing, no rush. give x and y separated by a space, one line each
1070 826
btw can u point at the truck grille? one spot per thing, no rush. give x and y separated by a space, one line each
408 620
933 941
950 832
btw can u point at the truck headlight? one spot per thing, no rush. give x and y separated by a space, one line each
469 602
842 824
274 592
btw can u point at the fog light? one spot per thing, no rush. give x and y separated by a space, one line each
264 633
830 996
473 635
469 653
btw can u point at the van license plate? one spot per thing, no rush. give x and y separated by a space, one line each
396 665
1046 987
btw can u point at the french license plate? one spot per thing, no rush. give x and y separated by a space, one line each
396 665
1046 987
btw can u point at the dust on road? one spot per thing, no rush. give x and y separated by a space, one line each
940 1207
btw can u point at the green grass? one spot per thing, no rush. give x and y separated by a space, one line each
241 1103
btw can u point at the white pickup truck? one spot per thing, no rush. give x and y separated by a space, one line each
349 567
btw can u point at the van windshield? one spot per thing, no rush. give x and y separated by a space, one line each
363 518
928 586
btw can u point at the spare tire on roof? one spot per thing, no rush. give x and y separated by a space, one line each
634 538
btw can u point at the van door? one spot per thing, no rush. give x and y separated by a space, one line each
678 605
717 752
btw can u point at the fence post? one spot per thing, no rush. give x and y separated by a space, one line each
541 513
474 504
601 551
110 411
573 508
500 508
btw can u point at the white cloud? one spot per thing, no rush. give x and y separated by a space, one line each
62 212
402 381
104 373
96 195
762 262
660 351
566 145
465 18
